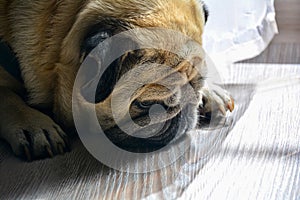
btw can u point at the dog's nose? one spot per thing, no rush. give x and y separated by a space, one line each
174 99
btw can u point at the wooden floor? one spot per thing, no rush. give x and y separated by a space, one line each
255 156
259 158
264 160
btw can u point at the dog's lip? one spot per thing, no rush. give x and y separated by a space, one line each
173 129
136 144
167 123
171 113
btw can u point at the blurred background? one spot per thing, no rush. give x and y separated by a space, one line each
239 30
285 47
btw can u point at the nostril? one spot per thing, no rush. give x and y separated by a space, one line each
145 104
174 99
196 61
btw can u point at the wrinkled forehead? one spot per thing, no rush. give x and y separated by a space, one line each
115 16
186 16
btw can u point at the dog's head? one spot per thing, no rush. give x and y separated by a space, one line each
162 78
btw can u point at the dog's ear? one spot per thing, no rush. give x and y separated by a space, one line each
206 12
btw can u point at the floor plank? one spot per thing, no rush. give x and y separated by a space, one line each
285 47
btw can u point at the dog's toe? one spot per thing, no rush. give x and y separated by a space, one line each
215 99
38 143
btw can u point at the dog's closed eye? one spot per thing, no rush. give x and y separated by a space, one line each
92 40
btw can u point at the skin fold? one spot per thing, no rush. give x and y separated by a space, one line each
52 38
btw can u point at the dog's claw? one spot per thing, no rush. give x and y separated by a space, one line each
60 149
67 143
230 104
27 153
63 135
222 109
48 150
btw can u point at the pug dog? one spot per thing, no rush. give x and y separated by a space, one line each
51 39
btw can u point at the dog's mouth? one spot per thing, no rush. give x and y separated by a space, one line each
164 133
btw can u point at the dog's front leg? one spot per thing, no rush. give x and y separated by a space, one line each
30 133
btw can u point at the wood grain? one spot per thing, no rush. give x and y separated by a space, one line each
279 53
260 157
288 19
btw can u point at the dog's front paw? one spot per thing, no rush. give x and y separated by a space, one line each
214 99
33 135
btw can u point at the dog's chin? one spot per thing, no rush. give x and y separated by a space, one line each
170 131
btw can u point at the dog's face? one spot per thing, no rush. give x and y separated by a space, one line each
168 87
